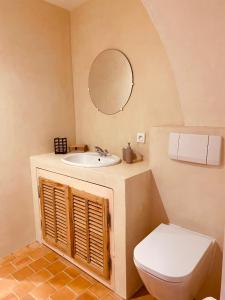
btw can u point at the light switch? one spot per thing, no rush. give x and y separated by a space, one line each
214 150
173 145
193 148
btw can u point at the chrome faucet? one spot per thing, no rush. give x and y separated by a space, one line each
100 151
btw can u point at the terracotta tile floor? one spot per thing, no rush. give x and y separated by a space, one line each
37 273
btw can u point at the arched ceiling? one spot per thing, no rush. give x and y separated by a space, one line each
193 36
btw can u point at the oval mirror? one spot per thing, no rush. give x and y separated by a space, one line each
110 81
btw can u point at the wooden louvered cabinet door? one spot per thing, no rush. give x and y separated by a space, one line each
55 214
90 217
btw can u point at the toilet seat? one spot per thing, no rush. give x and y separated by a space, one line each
171 253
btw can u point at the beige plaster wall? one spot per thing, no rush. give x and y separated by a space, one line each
36 104
193 35
189 195
176 49
125 25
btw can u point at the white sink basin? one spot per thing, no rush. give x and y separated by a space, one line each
91 160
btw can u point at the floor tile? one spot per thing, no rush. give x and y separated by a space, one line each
110 297
40 277
9 297
28 297
65 262
35 272
21 252
63 294
6 270
86 296
99 290
39 264
43 291
28 250
34 245
59 280
21 261
39 252
51 256
7 259
89 278
72 272
6 285
79 285
56 267
23 273
23 288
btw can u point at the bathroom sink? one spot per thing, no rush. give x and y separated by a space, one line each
91 160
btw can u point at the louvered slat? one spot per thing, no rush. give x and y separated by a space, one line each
91 236
55 214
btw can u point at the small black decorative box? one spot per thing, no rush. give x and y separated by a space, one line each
60 145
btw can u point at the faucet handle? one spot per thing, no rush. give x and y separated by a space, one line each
97 148
100 151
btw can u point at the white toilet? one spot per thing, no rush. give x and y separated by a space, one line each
173 262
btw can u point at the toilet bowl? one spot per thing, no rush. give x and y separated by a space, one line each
173 262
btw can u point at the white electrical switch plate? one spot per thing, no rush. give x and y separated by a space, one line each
173 145
193 148
141 137
214 150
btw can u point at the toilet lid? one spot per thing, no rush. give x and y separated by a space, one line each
171 252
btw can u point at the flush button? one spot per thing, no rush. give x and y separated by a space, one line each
214 150
193 148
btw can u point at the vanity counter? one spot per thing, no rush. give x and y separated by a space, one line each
128 190
104 175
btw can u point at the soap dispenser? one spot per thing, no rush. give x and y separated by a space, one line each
128 154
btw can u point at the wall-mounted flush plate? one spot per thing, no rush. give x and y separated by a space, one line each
195 148
141 137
